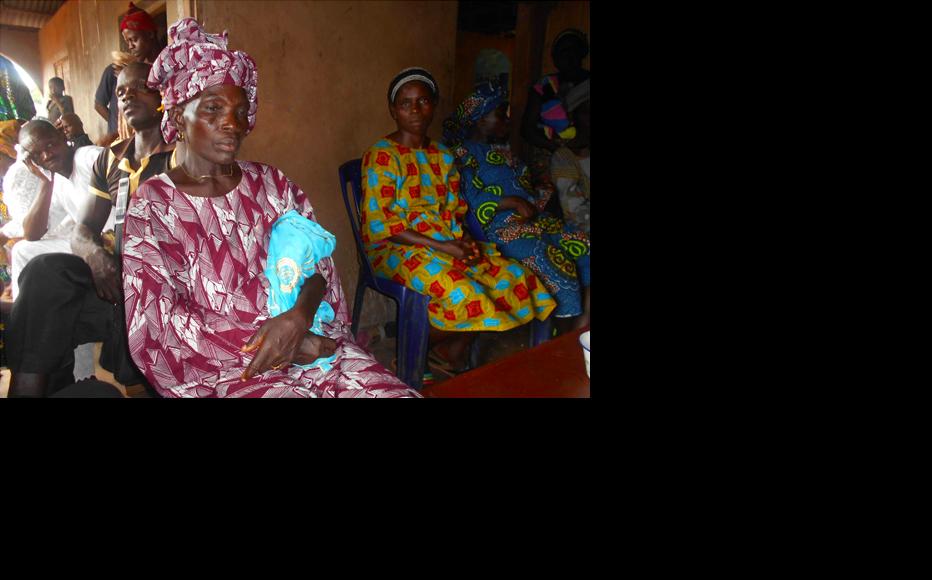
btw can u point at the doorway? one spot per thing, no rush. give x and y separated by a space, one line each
20 96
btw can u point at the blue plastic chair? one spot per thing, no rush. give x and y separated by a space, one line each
413 326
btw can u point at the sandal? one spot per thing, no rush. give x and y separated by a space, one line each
444 365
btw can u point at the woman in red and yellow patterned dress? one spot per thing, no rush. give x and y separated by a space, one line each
411 222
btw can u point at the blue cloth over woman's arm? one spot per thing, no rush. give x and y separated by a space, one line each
296 245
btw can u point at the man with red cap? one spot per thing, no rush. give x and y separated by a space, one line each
140 33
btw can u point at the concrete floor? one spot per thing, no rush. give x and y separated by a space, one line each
492 346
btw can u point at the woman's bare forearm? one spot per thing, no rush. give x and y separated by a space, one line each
310 297
412 238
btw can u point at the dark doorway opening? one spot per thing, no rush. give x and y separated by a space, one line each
487 17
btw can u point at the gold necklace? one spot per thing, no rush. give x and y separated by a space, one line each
204 178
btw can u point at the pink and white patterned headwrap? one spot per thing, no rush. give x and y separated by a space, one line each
196 61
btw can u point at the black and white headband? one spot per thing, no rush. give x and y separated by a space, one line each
408 75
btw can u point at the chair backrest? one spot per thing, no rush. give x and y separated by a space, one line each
351 172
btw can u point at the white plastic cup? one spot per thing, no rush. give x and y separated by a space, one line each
584 341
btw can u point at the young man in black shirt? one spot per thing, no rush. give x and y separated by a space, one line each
69 299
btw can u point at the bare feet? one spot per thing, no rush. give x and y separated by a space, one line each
452 354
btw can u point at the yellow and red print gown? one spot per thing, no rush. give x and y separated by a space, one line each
418 189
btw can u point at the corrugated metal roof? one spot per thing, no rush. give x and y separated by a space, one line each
28 13
41 6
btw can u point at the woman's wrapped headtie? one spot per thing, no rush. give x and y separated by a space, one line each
195 61
484 99
137 19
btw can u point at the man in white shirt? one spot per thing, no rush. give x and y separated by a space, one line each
46 193
46 196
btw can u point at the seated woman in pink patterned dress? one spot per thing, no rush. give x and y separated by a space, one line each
195 247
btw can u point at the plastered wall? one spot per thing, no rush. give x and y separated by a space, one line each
324 69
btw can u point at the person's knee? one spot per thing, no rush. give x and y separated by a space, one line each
55 260
90 389
43 270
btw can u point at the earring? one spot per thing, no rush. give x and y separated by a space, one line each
181 136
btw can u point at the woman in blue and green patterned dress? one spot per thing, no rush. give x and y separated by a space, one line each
498 191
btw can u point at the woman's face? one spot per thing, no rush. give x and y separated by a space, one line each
139 42
215 123
567 56
494 125
71 126
413 109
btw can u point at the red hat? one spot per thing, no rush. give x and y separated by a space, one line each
136 19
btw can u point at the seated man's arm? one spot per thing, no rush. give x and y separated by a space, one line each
93 216
86 242
85 239
36 220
